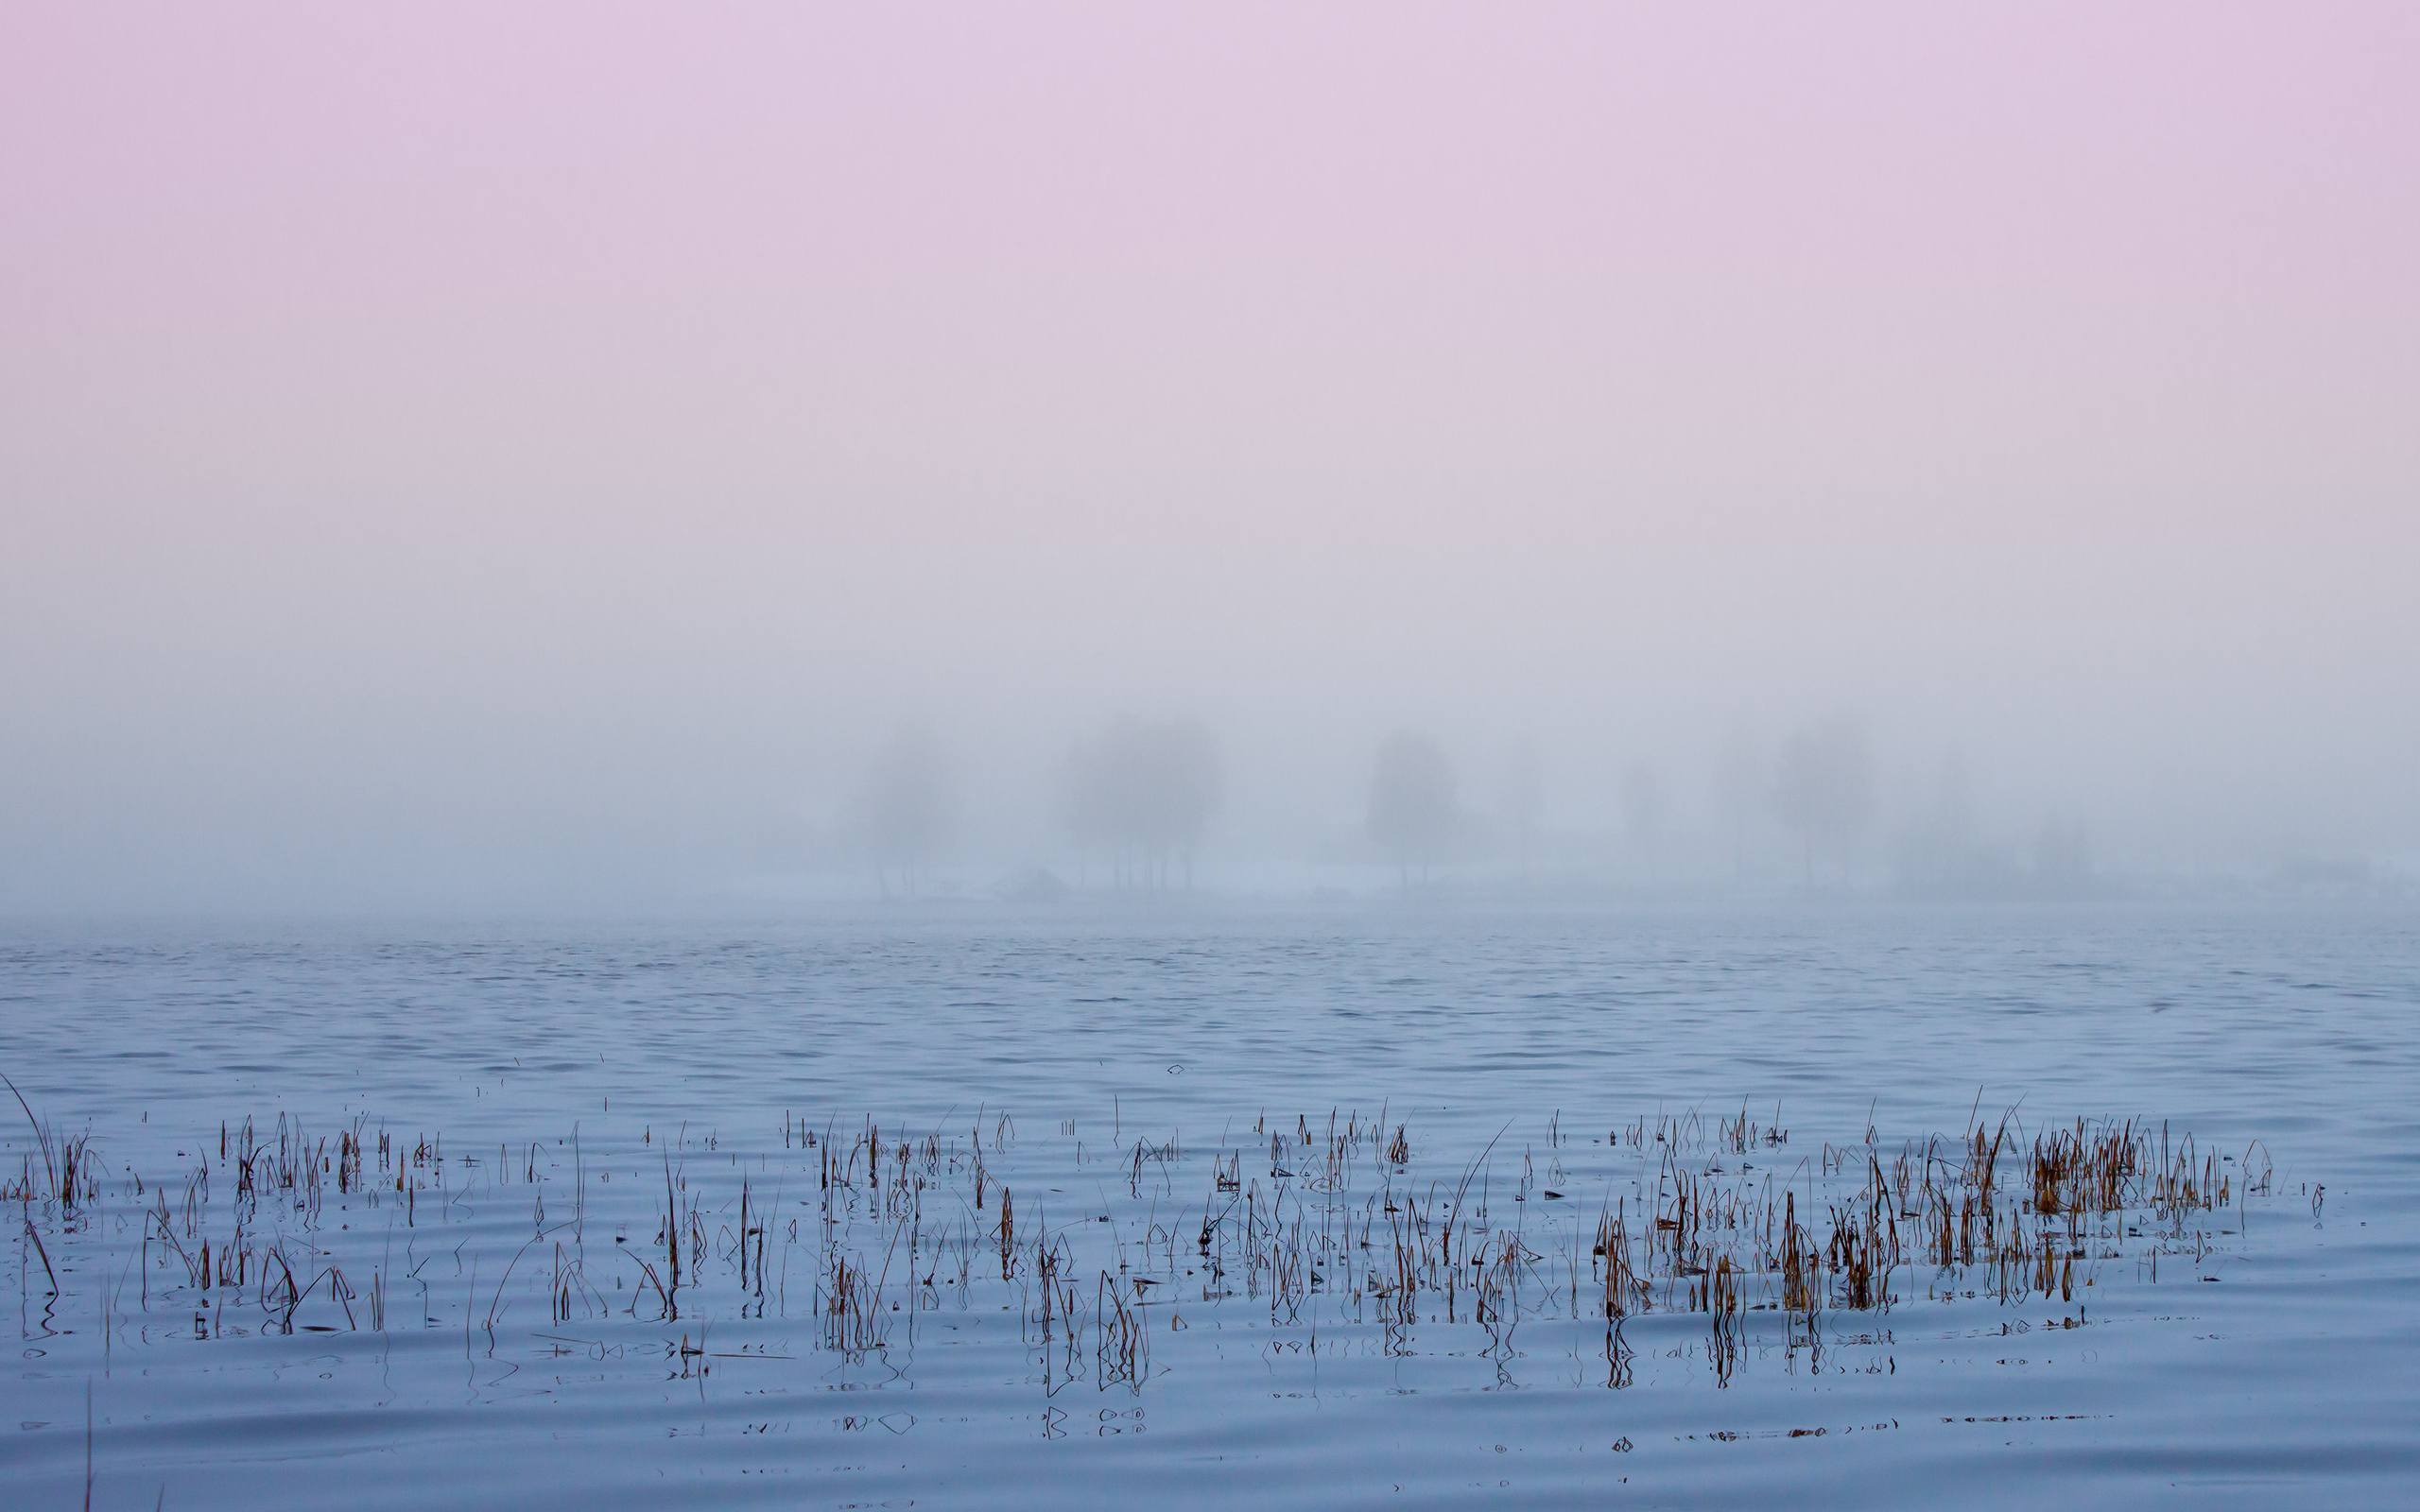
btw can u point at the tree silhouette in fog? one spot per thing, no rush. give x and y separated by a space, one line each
2061 856
1823 788
1642 816
907 812
1524 800
1741 786
1412 813
1141 793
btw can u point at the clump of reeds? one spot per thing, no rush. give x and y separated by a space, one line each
1800 1267
1624 1292
853 1317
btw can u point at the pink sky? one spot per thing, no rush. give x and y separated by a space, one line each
561 373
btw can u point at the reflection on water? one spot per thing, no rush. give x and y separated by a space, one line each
553 1215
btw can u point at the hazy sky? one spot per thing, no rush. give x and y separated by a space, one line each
543 441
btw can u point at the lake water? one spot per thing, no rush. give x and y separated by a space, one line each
1193 1113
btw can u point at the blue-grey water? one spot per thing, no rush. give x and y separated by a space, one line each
540 1086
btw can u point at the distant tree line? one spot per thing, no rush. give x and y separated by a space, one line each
1136 798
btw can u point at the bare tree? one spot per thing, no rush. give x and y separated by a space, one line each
2061 856
1412 811
1144 792
1823 788
1741 784
1524 800
1642 812
906 812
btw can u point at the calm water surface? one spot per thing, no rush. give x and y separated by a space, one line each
568 1070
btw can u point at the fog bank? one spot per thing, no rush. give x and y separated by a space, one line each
587 455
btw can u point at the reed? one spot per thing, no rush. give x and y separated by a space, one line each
274 1220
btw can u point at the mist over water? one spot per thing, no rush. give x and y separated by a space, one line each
423 486
805 755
